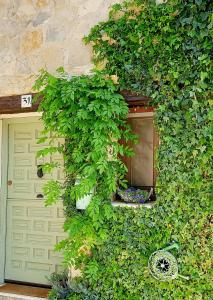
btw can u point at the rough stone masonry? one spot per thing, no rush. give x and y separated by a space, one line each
37 34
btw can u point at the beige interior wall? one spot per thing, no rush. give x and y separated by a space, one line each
37 34
141 165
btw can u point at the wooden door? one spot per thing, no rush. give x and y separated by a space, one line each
32 228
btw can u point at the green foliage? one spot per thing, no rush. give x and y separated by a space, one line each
64 289
90 115
53 190
163 51
156 48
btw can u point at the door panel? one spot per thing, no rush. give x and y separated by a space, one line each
22 164
32 228
141 165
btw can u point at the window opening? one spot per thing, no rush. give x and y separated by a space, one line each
141 167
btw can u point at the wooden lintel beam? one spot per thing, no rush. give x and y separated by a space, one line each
12 104
134 99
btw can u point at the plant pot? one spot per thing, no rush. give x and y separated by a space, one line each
83 202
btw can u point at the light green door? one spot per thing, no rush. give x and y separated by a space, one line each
32 228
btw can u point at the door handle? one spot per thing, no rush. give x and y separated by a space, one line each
40 196
40 172
9 182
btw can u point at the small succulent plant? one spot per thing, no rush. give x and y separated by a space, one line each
133 195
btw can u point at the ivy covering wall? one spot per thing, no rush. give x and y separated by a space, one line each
162 51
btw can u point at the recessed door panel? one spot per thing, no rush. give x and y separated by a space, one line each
141 165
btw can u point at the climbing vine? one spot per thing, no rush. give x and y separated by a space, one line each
163 51
89 114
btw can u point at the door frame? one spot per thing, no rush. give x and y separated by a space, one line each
5 120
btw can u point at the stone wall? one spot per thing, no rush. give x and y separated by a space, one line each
37 34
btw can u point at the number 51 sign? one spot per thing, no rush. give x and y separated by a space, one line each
26 101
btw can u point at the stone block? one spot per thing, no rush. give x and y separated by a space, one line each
3 8
4 43
78 55
22 65
55 34
8 64
53 57
35 61
25 11
31 40
41 18
10 28
41 3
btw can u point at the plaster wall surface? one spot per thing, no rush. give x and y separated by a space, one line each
37 34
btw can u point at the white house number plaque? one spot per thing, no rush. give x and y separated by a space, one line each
26 101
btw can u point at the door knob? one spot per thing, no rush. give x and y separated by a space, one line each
9 182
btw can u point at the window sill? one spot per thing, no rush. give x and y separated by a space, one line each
132 205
